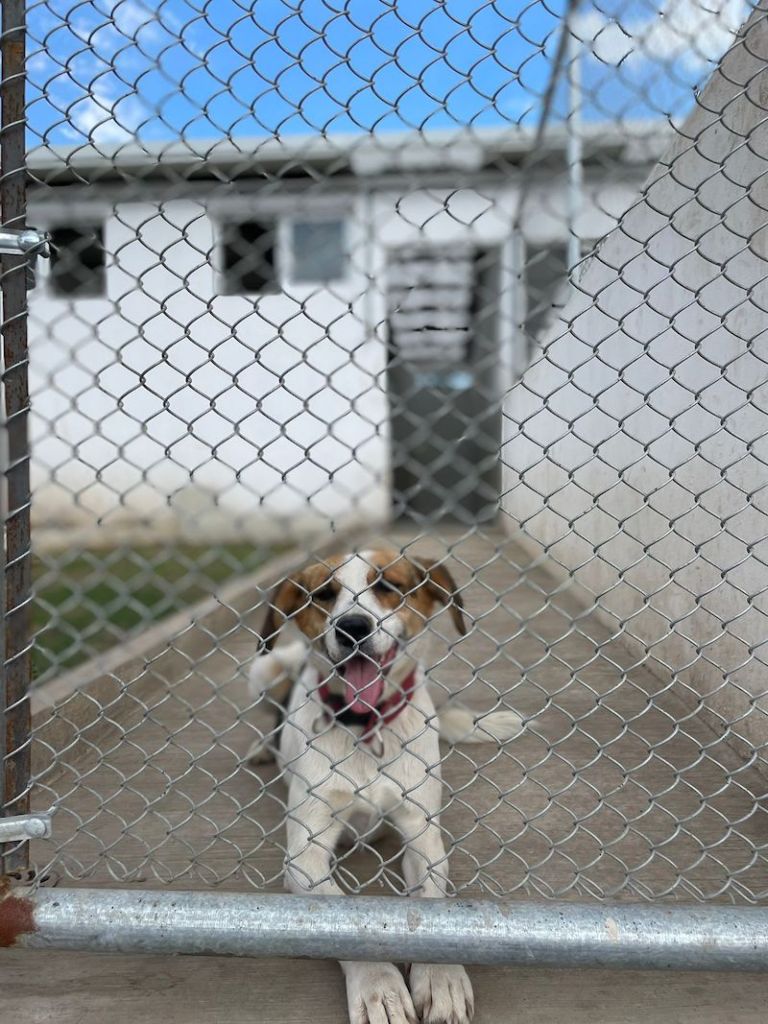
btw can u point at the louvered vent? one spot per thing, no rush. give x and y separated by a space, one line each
431 304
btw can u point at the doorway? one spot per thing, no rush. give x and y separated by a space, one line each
443 383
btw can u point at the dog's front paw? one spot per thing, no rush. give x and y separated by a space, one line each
442 993
264 670
377 994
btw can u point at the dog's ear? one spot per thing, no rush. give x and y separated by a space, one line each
442 587
285 601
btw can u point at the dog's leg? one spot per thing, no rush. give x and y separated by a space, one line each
440 992
376 992
271 676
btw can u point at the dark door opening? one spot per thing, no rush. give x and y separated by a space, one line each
443 383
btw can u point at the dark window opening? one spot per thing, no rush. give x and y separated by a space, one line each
249 258
78 261
485 309
546 278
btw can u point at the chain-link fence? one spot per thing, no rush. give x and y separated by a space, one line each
386 324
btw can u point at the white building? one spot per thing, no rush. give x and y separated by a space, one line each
241 340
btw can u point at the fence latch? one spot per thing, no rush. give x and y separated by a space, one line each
25 826
29 242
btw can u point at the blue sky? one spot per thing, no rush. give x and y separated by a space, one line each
109 71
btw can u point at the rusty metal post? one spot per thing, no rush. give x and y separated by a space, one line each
14 705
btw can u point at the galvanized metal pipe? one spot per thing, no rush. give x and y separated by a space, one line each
27 240
24 827
551 934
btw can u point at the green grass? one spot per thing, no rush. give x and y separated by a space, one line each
88 601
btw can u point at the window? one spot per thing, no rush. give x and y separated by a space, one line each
77 261
546 276
318 251
249 258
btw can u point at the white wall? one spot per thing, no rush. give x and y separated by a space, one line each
166 406
637 445
202 411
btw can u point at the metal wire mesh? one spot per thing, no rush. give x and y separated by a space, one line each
480 283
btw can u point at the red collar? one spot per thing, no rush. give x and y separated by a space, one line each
382 714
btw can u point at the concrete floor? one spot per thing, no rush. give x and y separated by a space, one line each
615 790
60 988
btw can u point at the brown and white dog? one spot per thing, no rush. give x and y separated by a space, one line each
359 745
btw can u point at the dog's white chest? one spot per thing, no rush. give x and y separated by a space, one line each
331 763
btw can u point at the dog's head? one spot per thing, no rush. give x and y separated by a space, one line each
364 615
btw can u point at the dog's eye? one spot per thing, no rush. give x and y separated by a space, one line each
387 586
324 593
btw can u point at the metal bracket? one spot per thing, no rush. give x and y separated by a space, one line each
25 827
27 242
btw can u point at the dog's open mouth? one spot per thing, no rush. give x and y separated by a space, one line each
364 677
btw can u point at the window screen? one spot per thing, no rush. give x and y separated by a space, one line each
318 251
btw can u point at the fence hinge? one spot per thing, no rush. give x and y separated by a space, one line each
29 242
25 826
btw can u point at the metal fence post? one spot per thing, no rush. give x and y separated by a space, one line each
14 707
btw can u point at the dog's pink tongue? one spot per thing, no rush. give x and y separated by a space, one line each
364 684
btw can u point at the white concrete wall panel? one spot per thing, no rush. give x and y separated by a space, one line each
636 446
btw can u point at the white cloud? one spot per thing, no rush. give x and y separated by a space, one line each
690 32
124 21
105 116
110 110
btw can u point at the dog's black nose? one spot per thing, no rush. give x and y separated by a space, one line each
353 629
